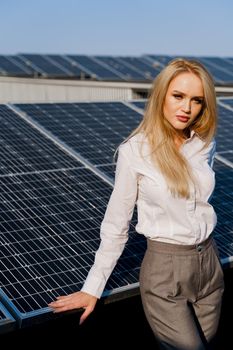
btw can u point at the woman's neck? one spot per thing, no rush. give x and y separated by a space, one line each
180 138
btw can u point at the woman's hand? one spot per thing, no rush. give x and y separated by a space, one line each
75 300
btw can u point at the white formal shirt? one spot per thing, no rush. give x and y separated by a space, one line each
161 216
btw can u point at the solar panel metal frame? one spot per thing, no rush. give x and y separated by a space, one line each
7 322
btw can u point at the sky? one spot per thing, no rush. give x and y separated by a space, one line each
117 27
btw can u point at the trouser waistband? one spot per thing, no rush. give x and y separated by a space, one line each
178 248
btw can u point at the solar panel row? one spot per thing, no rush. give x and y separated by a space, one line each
53 201
108 68
220 67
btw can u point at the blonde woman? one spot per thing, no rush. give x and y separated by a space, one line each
165 167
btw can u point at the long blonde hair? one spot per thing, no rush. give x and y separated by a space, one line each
160 134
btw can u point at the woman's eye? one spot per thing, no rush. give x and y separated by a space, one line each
177 96
198 101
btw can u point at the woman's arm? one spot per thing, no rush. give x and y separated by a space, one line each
114 235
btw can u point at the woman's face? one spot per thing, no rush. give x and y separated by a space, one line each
183 100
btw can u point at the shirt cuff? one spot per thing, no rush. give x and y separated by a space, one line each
94 286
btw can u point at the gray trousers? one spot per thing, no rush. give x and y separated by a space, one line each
181 288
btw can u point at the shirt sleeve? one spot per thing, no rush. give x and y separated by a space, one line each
209 153
212 152
114 227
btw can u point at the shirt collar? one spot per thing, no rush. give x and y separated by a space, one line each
192 133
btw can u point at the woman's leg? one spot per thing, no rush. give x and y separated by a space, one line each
208 306
171 281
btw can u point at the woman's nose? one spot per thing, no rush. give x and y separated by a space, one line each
187 106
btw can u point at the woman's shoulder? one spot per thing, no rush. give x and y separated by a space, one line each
134 144
207 144
204 147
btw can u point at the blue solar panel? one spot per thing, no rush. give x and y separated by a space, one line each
225 131
93 130
95 68
222 202
226 101
163 60
139 104
24 149
137 63
10 66
127 72
72 69
46 67
7 321
29 71
49 226
220 68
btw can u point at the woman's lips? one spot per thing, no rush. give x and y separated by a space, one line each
182 118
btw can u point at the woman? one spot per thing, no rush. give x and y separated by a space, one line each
165 167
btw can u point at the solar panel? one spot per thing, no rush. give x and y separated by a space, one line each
7 322
29 72
163 60
9 66
222 202
226 101
149 71
139 104
108 169
225 130
49 226
94 130
127 72
95 68
226 157
218 67
73 69
24 149
43 65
